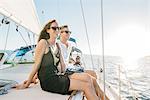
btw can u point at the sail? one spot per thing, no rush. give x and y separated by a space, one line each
22 12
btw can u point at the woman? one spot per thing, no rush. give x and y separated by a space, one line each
47 71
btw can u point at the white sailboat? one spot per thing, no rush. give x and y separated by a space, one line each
23 13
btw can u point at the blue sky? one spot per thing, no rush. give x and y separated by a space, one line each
126 25
69 12
126 22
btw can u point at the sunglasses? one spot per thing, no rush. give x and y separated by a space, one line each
68 32
55 28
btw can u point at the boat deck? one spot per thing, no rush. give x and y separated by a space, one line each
19 73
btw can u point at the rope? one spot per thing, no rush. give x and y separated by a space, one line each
29 40
103 48
58 8
82 57
7 37
103 54
35 13
34 39
86 33
22 37
119 82
29 37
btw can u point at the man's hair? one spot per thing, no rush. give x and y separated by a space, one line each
64 26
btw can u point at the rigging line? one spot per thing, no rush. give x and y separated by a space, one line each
34 39
22 38
1 27
82 10
10 14
35 13
29 37
17 22
7 37
83 60
29 40
58 8
103 48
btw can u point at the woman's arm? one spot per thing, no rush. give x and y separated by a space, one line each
34 80
39 52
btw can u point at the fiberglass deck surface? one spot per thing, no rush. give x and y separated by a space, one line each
19 73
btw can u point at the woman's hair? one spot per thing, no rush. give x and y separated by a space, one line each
43 33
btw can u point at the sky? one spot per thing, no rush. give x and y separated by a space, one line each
126 25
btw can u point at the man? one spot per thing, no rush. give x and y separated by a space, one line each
67 48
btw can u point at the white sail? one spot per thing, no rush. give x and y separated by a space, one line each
22 12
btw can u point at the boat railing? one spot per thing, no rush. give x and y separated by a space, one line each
120 70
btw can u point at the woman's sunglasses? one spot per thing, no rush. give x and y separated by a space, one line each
55 28
68 32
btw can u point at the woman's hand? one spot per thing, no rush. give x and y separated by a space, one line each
35 79
24 85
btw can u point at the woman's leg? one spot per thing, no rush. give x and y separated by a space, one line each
85 84
98 90
85 77
81 76
94 77
91 72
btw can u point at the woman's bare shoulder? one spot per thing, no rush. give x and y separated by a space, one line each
42 42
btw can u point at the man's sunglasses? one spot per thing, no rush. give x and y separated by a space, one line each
55 28
68 32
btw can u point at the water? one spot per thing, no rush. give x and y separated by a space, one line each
134 83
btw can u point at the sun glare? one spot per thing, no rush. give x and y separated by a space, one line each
130 42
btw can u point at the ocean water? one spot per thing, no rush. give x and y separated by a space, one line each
134 83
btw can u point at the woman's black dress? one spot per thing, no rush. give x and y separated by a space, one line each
49 80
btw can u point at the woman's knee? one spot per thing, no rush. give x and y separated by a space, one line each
87 86
91 72
81 76
95 74
87 77
79 85
94 80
